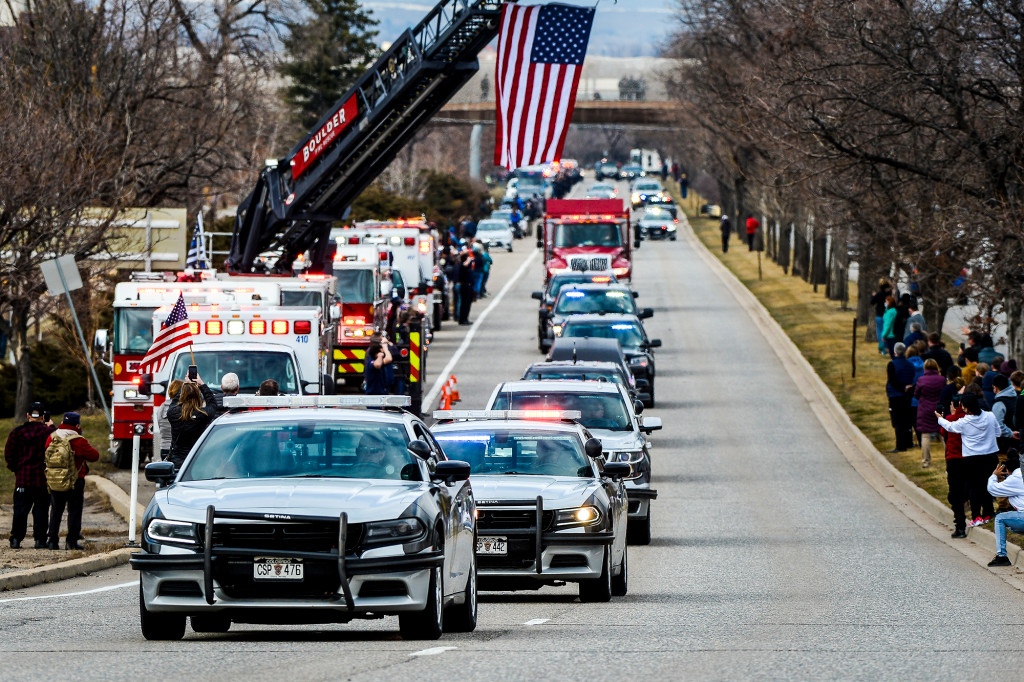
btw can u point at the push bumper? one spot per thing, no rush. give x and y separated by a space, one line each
639 501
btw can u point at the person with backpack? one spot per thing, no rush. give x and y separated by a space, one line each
25 455
67 452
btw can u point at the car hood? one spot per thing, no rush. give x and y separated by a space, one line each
362 499
618 440
557 491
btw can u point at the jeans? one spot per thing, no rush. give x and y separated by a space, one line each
725 241
1014 520
980 467
899 416
37 500
890 345
879 325
957 477
74 499
483 282
478 280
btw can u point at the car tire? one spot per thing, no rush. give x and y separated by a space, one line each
435 319
509 247
159 626
638 531
599 589
211 623
462 617
428 623
620 582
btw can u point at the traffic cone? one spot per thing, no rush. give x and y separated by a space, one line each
446 398
455 390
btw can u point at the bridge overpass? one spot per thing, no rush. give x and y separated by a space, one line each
654 115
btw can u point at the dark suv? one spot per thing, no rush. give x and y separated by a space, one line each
631 336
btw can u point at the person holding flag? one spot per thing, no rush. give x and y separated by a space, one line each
196 259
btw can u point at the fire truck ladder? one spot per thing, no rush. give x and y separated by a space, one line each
398 95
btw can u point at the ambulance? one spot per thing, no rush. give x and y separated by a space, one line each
363 276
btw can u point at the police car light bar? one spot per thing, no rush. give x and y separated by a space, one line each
317 401
507 414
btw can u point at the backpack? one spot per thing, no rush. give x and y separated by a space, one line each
61 472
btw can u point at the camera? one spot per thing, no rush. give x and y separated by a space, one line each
193 372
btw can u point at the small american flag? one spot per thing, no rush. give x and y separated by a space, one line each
173 335
540 57
197 249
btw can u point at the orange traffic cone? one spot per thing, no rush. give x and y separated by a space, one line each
446 398
455 390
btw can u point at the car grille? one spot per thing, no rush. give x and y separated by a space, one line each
585 263
511 519
320 580
318 536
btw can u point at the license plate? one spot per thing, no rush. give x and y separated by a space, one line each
492 545
269 568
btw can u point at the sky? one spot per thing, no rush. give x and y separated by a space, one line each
629 28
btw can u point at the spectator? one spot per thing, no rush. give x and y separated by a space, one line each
986 381
978 430
915 334
1004 408
379 373
25 455
189 418
900 381
915 316
726 228
485 258
752 225
986 351
478 269
954 382
1008 367
957 475
1003 483
164 424
70 431
466 276
980 370
1017 381
878 300
969 351
928 391
269 387
888 325
902 315
937 351
228 387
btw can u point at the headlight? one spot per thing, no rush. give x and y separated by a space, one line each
580 516
635 198
177 532
630 456
638 361
399 530
619 272
130 394
557 329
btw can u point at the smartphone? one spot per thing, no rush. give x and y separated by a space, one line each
193 372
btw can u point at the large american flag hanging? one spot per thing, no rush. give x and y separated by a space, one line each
173 335
540 57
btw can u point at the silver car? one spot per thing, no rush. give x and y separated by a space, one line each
310 515
607 413
551 509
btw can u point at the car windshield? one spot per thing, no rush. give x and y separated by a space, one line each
515 451
574 301
560 281
600 410
647 187
133 330
633 169
588 374
628 334
505 214
492 226
355 286
587 234
252 367
301 299
658 213
303 449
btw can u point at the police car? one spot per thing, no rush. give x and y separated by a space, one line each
592 299
304 514
608 414
551 509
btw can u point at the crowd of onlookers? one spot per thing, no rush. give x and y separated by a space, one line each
969 404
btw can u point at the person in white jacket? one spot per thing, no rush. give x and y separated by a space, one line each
978 431
1003 483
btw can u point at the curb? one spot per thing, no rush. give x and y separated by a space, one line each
65 570
858 450
120 501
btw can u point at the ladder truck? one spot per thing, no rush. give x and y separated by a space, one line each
297 199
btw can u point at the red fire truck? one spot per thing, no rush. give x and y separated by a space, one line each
587 234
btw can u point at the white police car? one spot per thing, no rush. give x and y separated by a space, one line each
304 514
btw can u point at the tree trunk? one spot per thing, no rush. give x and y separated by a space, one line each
818 265
782 257
865 311
935 303
20 311
1013 303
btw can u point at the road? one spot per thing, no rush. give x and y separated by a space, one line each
772 557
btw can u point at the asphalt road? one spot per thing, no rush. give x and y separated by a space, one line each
772 558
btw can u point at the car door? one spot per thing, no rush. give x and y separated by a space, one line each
456 501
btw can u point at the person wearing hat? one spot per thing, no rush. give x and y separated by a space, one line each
898 387
25 455
70 429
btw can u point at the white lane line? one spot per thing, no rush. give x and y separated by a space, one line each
108 588
431 398
536 621
433 651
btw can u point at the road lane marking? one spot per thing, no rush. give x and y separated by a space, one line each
108 588
536 621
433 651
431 398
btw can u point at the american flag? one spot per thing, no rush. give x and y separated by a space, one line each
197 249
540 57
174 334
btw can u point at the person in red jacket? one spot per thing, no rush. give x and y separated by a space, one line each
752 225
24 453
957 472
74 499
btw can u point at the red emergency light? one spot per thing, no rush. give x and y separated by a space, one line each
425 246
214 327
257 327
382 256
410 241
310 278
353 240
303 327
136 380
279 327
601 279
354 321
193 327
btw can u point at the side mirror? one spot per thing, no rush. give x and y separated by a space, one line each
645 313
401 292
537 295
593 448
145 384
450 471
638 407
540 243
649 424
385 288
636 243
335 312
636 294
616 470
327 384
420 449
655 343
158 388
160 473
100 340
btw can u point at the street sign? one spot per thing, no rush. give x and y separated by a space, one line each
53 271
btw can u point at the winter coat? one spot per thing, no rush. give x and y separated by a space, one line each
878 300
928 391
185 432
939 355
83 451
899 375
987 355
888 320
